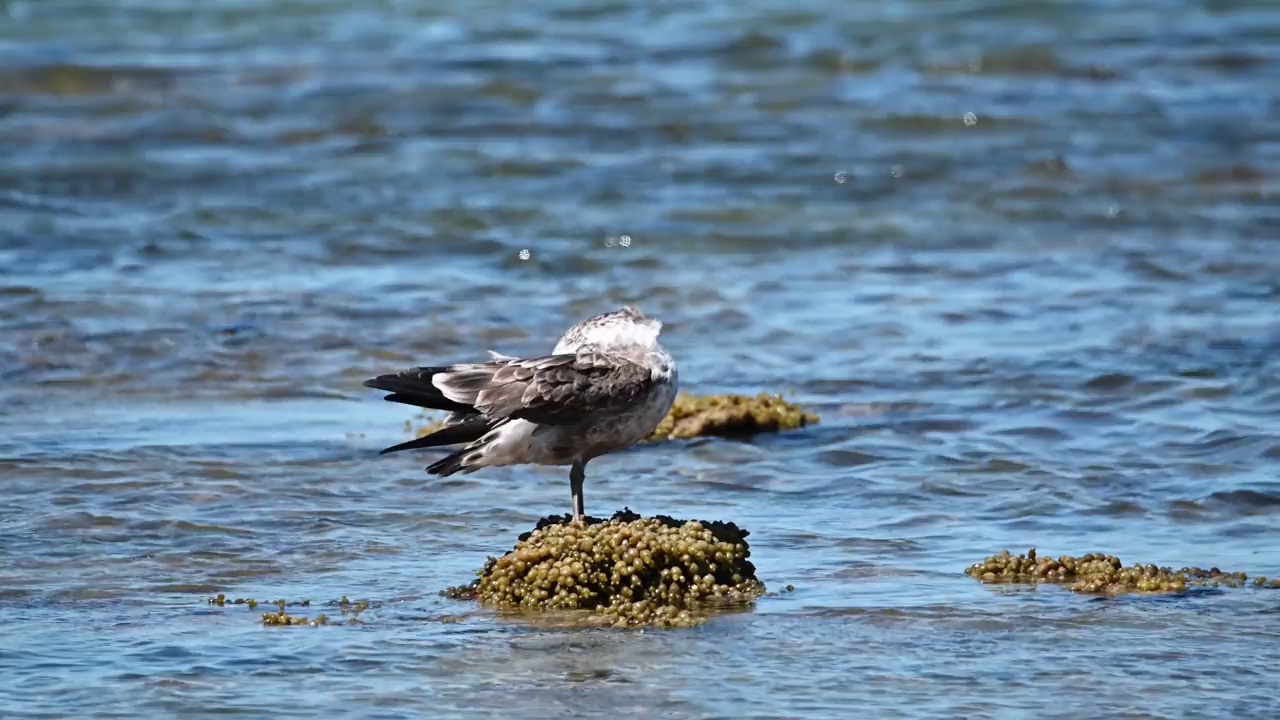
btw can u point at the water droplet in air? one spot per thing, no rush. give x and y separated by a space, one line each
970 119
840 176
524 254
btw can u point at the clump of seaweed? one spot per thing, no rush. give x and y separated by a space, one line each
697 416
730 415
423 430
283 618
222 600
350 611
1097 573
628 571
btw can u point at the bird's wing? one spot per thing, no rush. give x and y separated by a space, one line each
551 390
414 386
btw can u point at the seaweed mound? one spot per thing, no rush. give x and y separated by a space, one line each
1103 574
730 415
629 571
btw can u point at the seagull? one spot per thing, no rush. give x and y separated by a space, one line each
605 387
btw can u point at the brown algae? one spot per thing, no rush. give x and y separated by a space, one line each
730 415
424 430
628 571
1098 573
349 610
710 415
283 618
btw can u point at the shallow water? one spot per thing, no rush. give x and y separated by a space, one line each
1020 257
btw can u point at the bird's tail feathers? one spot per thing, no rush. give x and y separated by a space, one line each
464 431
466 460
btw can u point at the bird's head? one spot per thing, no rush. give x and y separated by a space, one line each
622 331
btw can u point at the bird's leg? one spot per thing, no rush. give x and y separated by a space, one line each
577 474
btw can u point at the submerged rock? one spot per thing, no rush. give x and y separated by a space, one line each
721 415
1102 574
628 571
